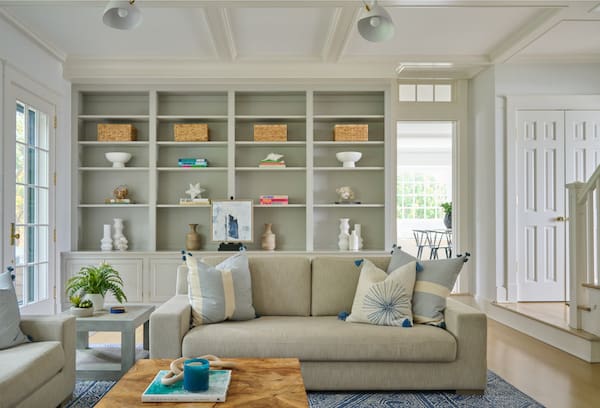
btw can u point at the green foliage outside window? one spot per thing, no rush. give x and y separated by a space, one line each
419 195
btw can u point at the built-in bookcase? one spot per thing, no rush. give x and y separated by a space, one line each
157 222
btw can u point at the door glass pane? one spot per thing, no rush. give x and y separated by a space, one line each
20 123
41 243
20 246
43 130
20 202
20 163
443 93
42 168
42 205
19 284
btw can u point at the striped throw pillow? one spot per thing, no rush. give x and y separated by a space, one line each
222 292
435 280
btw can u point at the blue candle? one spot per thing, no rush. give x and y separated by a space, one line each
195 375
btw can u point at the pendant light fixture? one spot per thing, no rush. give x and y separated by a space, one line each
375 23
122 15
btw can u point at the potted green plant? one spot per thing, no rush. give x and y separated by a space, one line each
447 214
95 283
81 307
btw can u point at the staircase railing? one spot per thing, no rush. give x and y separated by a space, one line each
584 243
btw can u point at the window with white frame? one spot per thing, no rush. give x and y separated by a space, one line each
422 92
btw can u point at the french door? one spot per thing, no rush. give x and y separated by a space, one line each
555 147
29 199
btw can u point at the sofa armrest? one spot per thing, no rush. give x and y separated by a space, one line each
469 326
168 324
54 328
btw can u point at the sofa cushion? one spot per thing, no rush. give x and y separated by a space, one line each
434 283
27 367
221 292
384 299
320 339
334 281
280 284
10 332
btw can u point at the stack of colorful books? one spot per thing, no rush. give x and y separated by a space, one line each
272 164
192 162
274 200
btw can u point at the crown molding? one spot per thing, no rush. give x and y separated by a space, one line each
556 59
84 69
50 48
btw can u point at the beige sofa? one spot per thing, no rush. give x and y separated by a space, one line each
298 299
40 373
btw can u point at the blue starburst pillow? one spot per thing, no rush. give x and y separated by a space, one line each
384 299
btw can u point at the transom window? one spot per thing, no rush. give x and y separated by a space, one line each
425 92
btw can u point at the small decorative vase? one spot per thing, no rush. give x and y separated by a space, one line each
344 235
353 241
106 241
192 239
357 229
448 220
119 240
267 241
97 300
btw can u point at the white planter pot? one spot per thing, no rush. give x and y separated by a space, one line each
82 311
97 300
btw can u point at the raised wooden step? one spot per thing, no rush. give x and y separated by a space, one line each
554 331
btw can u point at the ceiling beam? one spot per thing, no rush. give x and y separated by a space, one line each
537 27
521 38
221 33
339 33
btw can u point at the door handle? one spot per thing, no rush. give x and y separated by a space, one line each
13 236
560 219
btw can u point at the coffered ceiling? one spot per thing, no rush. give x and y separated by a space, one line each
291 38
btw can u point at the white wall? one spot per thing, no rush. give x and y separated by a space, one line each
25 63
482 140
532 79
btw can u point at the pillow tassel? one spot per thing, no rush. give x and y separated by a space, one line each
343 315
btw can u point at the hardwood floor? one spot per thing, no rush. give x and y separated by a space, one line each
553 377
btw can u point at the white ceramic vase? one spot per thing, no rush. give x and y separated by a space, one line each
268 239
97 300
353 241
357 229
106 241
119 240
344 234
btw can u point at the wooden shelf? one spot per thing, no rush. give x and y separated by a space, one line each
96 143
113 206
344 117
252 143
207 169
191 117
113 168
181 206
372 168
280 206
270 169
188 144
113 117
269 117
333 143
348 205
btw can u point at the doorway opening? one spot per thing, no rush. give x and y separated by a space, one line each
424 181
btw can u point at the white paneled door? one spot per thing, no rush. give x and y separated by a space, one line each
541 206
554 147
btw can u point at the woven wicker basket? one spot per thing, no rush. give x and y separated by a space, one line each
190 132
351 133
116 132
270 132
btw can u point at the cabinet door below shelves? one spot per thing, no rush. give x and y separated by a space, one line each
131 271
163 279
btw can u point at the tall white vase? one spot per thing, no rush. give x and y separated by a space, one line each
344 234
119 240
353 241
106 241
357 229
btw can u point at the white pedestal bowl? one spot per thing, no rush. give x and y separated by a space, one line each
348 158
118 159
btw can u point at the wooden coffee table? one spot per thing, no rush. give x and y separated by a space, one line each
255 382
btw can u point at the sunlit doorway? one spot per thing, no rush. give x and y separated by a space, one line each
424 188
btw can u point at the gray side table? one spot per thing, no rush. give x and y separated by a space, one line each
126 323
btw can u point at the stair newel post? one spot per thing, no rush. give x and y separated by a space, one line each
577 252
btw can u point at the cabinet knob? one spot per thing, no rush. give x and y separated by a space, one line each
560 219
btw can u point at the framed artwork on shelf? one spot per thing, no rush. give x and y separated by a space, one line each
232 221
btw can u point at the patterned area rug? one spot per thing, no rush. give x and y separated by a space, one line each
499 394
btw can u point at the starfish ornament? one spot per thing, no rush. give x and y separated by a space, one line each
195 191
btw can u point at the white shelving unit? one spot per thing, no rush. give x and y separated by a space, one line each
156 222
